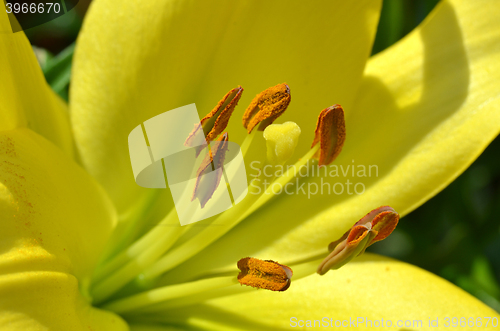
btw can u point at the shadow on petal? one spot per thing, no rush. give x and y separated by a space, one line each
379 132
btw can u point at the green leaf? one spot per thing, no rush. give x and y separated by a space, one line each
57 71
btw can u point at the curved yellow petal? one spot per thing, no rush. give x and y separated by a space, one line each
371 287
55 222
177 52
25 98
427 107
48 300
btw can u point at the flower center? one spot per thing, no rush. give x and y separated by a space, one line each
137 268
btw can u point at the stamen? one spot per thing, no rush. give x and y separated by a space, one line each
213 162
256 273
374 226
384 223
299 271
245 145
216 121
330 133
266 107
230 218
267 274
143 255
128 264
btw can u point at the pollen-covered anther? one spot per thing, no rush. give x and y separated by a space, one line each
205 186
266 107
264 274
215 122
330 134
374 226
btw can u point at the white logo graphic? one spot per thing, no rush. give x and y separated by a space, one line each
168 160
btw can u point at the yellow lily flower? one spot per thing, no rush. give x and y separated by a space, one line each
421 111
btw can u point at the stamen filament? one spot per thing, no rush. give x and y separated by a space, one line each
166 293
247 142
133 218
157 233
153 236
300 270
143 252
193 299
282 181
228 219
166 238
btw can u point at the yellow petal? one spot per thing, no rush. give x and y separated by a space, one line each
55 222
427 107
48 300
372 287
25 98
179 52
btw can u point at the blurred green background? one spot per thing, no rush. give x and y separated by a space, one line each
455 235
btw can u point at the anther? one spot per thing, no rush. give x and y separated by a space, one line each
213 162
330 134
374 226
216 121
266 274
266 107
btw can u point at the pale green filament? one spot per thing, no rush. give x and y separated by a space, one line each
300 270
228 219
145 255
179 295
192 299
130 263
247 142
163 228
166 293
280 182
164 237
